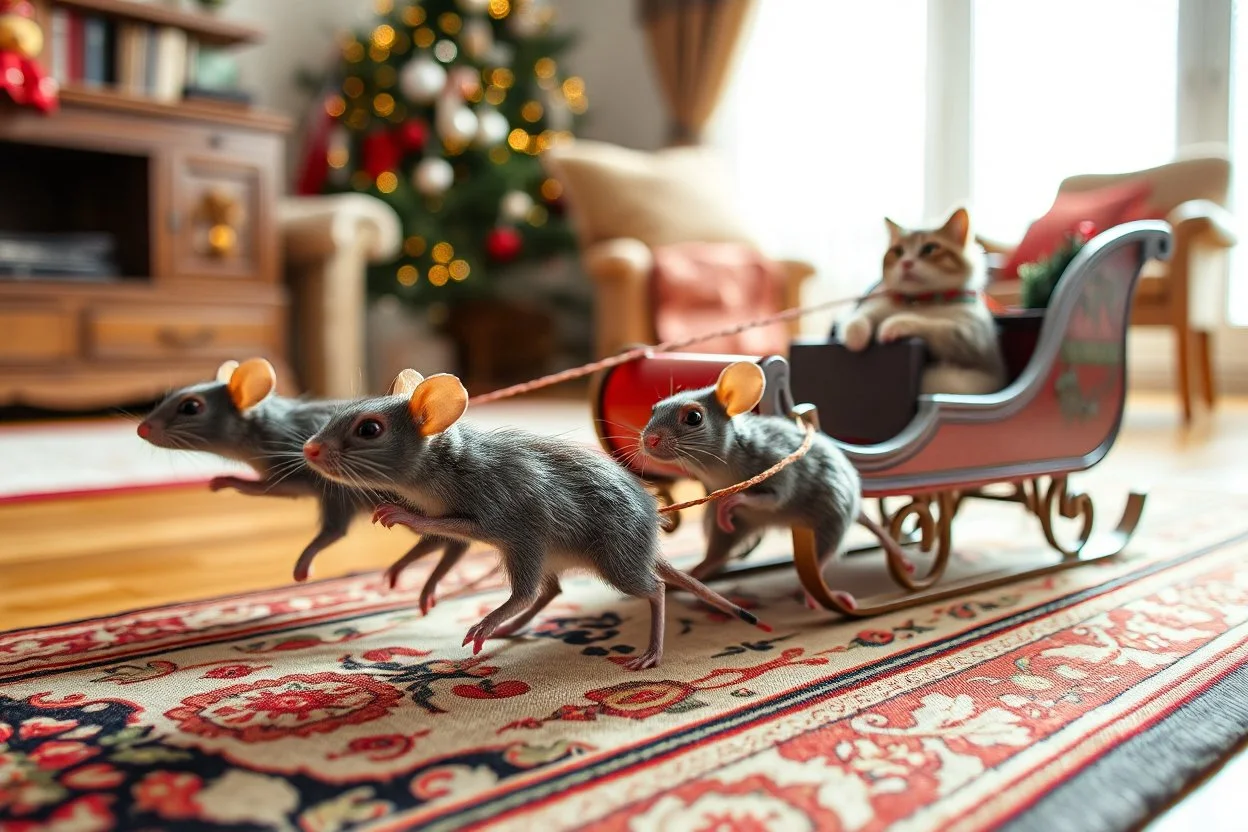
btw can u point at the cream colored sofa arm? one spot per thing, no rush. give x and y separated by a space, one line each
329 243
1203 220
620 269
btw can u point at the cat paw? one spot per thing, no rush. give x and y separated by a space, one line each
856 334
897 328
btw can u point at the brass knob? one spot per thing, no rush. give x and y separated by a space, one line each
223 215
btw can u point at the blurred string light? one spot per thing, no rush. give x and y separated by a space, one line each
450 23
383 104
459 269
413 15
551 189
353 87
408 275
335 106
445 51
500 9
387 182
383 6
545 68
424 37
438 275
414 245
442 253
531 111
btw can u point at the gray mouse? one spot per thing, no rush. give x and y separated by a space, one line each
238 416
549 506
713 434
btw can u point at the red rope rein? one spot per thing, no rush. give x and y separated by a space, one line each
669 346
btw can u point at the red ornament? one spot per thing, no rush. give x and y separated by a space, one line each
413 134
314 168
503 244
21 77
380 153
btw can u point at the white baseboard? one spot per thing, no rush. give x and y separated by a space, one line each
1150 360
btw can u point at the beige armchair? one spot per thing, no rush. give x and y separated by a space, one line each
626 202
1187 294
329 242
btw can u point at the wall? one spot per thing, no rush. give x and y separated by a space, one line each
611 55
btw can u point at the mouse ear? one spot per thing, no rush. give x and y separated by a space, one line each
254 379
405 382
740 387
437 403
226 370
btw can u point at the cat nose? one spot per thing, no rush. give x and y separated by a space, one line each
907 264
145 430
312 450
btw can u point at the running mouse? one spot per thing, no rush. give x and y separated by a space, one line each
548 506
713 434
238 416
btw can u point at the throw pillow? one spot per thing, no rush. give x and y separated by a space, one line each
1103 207
674 195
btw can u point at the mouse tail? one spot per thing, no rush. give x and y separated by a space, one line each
671 575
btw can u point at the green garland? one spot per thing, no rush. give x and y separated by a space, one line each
1040 278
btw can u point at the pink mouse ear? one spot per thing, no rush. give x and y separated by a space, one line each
225 371
405 382
740 387
437 403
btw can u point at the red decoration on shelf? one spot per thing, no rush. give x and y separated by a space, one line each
413 134
313 168
503 244
21 41
380 153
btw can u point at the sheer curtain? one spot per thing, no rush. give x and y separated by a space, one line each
1065 87
1237 299
824 128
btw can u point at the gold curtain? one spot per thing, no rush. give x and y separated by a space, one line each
693 43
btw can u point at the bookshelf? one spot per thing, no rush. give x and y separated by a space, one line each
178 190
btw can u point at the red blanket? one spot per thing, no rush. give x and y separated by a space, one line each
700 287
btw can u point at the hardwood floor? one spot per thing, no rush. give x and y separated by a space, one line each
90 556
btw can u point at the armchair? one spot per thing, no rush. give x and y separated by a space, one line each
624 204
1187 294
329 242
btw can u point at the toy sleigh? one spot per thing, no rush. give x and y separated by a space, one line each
1058 415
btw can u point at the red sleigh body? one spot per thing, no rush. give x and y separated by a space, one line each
1059 414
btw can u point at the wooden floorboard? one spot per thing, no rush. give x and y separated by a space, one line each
83 557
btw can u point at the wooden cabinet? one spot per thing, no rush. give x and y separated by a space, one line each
189 193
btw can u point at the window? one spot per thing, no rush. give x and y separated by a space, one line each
824 127
1237 291
1066 87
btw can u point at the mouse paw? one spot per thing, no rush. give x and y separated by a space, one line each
427 601
645 661
390 515
477 636
222 483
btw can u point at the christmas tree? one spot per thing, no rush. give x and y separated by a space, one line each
441 109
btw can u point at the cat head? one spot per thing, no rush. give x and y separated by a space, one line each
927 260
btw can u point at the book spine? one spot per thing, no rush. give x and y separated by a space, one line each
60 45
110 53
151 62
94 53
77 46
192 63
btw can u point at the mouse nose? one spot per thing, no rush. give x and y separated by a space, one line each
652 440
312 450
145 430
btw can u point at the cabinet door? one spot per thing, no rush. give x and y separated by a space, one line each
222 216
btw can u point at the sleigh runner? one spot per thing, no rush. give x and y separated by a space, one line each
1058 415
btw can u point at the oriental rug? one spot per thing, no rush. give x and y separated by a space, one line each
1080 701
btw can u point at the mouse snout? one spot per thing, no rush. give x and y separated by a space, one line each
312 450
653 440
145 429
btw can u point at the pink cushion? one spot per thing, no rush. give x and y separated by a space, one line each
1102 207
699 287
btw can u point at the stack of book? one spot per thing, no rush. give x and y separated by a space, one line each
132 58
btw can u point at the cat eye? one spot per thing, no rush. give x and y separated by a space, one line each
928 250
896 251
369 429
693 418
190 407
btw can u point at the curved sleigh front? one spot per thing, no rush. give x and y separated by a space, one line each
1059 414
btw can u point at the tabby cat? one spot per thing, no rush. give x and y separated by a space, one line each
931 291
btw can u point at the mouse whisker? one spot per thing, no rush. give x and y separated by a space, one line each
708 453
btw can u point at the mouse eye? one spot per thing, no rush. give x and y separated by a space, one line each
369 429
190 407
693 418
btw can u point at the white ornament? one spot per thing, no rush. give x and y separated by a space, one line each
477 37
456 123
433 176
515 205
422 80
492 127
474 6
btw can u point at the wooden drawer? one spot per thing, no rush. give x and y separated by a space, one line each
37 333
161 332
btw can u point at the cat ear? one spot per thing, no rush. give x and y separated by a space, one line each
405 382
895 231
437 403
958 227
225 371
251 382
740 387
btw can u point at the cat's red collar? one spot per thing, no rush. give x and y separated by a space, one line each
933 298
